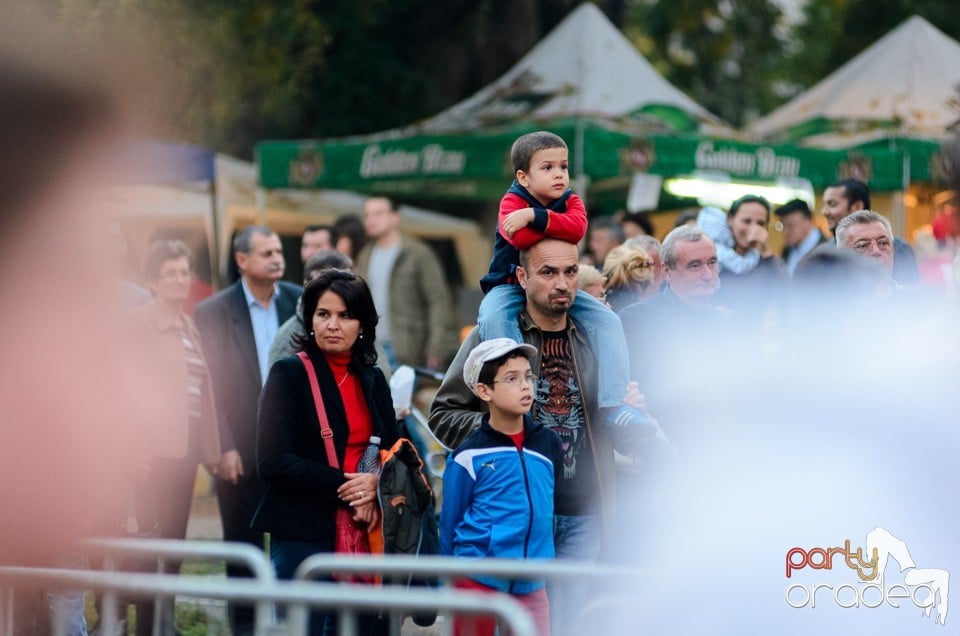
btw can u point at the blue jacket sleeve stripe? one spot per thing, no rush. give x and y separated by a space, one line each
468 458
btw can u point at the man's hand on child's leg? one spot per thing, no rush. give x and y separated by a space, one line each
634 397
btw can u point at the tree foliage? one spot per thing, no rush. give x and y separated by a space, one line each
232 72
725 54
237 71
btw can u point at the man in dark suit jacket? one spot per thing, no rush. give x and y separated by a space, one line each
237 326
800 235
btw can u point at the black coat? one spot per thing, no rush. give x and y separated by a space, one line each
226 335
300 501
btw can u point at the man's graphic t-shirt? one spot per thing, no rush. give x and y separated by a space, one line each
559 405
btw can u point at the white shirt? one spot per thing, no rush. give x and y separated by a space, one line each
266 323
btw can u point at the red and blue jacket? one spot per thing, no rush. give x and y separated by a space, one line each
564 219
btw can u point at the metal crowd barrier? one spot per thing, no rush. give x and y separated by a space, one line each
345 599
394 568
265 591
170 549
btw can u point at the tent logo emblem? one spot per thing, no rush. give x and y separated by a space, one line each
639 157
306 168
857 166
926 588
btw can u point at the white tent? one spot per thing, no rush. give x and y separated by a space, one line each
585 67
905 84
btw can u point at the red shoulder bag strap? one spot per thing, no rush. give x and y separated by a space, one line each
325 432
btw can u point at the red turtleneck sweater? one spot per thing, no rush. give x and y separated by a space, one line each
358 414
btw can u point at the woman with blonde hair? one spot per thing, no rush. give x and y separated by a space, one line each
590 281
629 275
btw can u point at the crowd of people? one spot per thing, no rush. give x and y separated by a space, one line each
549 405
713 280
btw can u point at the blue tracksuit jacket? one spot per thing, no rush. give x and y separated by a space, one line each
498 501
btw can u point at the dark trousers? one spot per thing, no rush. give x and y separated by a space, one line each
287 555
237 505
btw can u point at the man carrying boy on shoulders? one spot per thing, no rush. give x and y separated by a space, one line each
564 400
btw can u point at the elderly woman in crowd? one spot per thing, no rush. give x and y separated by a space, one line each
304 491
629 275
179 425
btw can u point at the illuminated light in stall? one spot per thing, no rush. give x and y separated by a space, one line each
719 189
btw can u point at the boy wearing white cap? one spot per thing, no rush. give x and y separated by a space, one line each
499 485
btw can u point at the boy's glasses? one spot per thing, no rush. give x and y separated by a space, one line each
517 380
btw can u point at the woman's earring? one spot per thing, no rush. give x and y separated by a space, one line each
360 336
313 334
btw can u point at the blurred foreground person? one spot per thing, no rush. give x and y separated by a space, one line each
179 422
832 293
68 396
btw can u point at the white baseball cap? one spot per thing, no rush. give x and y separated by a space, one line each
491 350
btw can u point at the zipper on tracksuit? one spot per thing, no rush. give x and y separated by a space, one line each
526 489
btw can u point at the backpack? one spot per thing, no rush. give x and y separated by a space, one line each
409 523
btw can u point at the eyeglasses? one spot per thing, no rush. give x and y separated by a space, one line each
515 381
864 245
641 265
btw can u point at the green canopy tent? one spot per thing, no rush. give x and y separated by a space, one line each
584 81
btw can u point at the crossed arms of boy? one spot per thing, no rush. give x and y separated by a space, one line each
522 225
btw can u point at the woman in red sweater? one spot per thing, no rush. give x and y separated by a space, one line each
304 492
